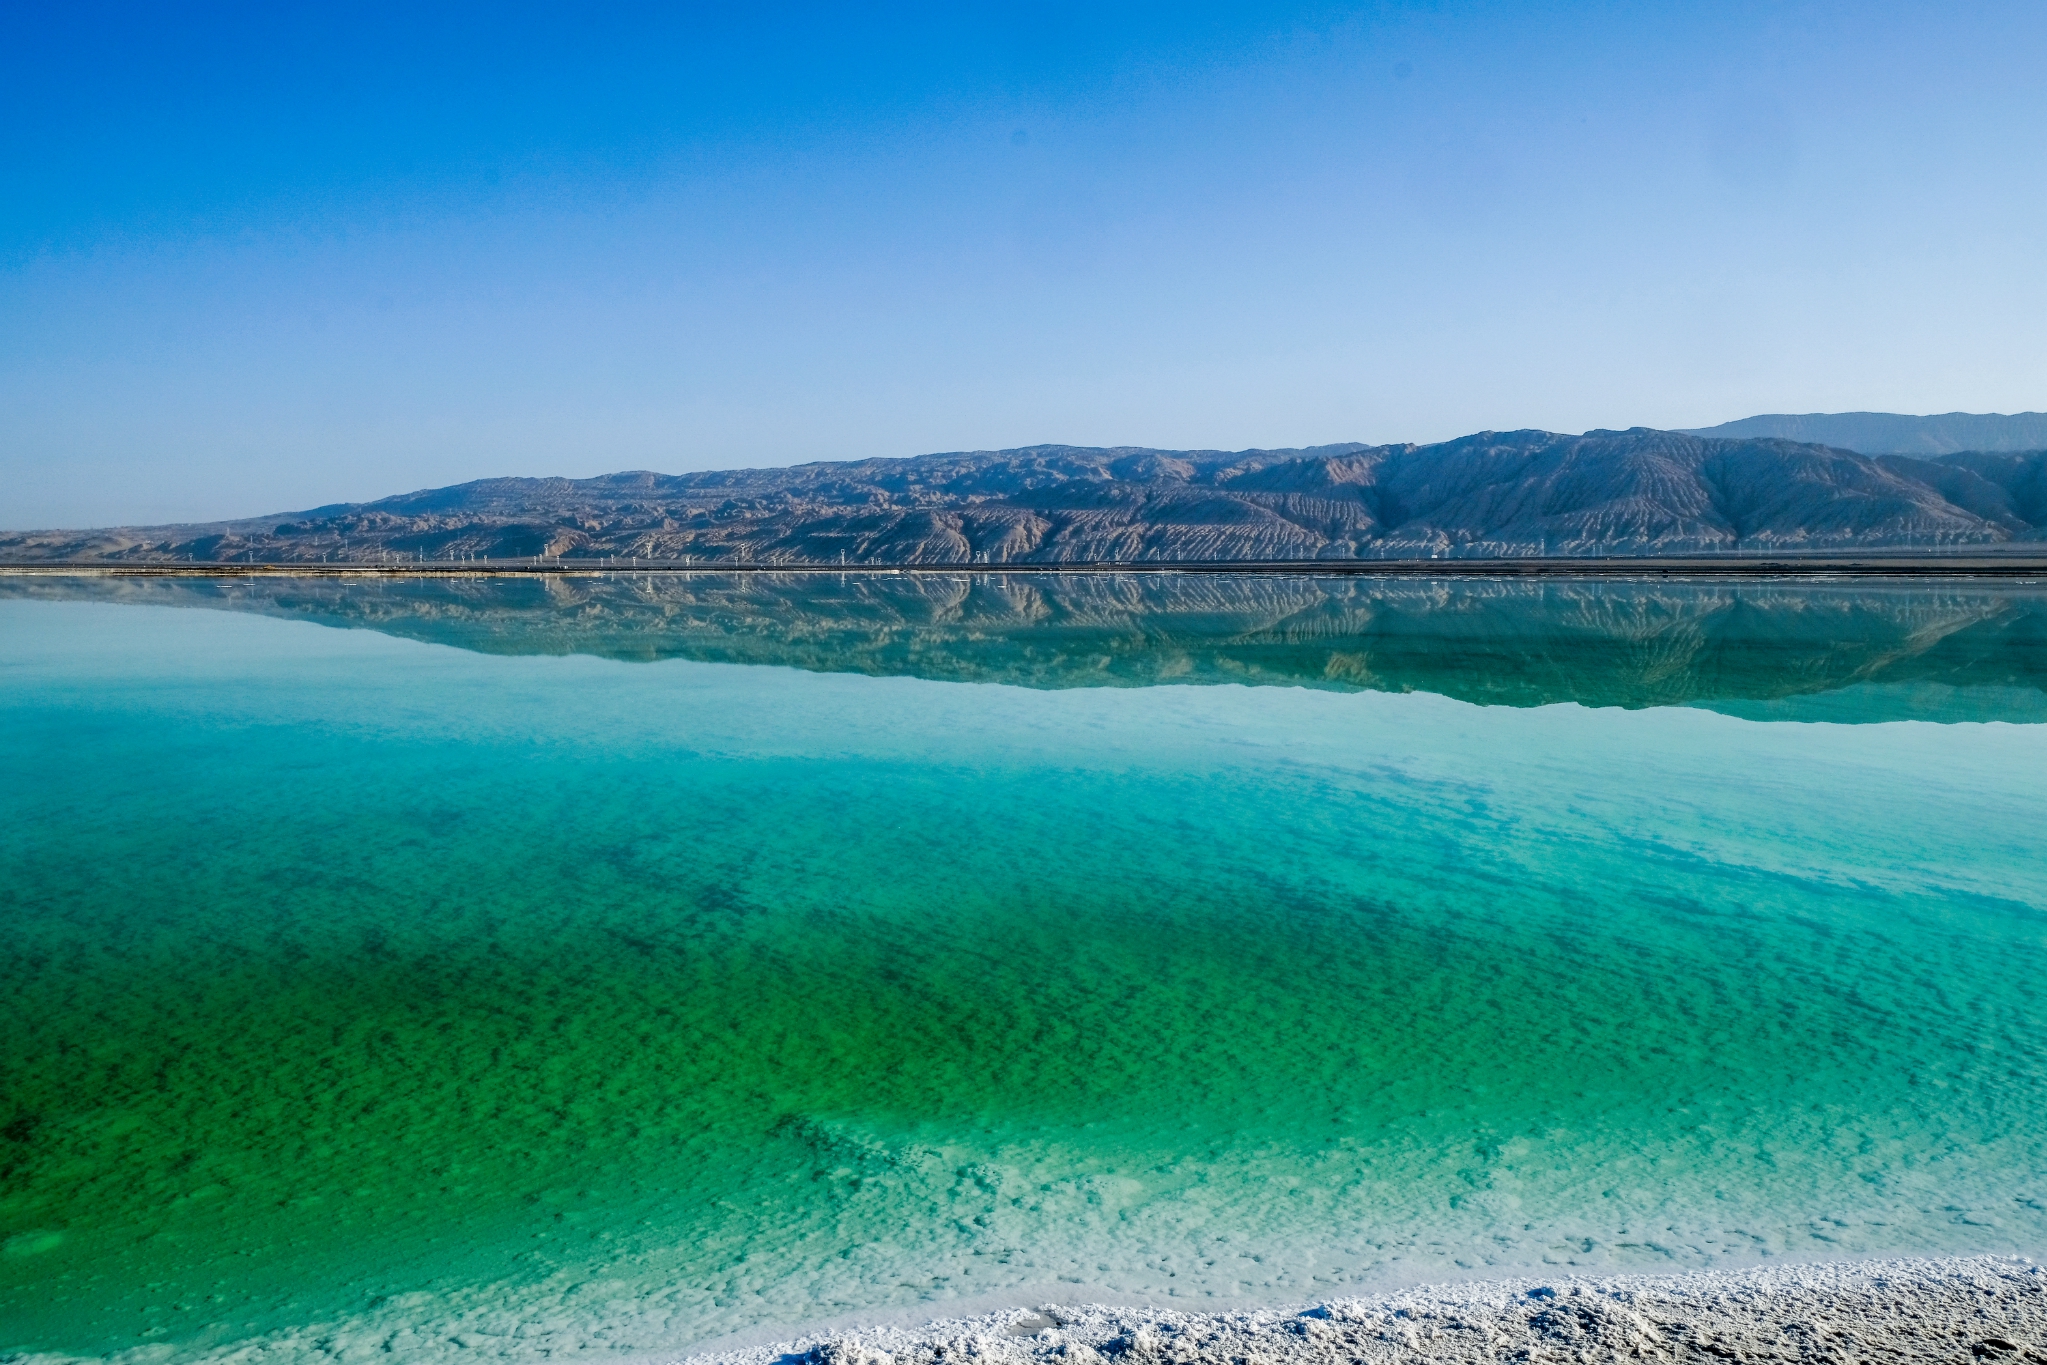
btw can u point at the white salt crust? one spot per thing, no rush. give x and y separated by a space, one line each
1974 1309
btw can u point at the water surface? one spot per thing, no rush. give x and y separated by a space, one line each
365 991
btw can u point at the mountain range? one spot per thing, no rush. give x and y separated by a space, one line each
1518 493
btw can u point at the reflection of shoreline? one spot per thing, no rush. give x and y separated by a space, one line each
1980 1308
1954 649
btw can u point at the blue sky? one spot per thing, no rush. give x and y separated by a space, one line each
258 258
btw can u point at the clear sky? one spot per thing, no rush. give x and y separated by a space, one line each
260 258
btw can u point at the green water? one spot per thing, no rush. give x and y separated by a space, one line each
359 994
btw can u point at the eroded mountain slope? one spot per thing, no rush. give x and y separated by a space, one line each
1494 493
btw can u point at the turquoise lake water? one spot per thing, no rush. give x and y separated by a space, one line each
617 968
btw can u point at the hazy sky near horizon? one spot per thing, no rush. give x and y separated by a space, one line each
261 258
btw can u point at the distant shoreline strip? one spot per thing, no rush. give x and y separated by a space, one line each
1866 565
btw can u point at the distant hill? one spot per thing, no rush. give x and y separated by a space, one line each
1891 433
1495 493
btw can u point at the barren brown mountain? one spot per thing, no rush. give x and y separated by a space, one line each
1495 493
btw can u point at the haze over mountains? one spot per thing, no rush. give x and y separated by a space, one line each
1890 433
1520 493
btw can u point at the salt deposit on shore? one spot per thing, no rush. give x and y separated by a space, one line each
1984 1309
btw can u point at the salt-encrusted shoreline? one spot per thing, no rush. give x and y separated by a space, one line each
1959 1310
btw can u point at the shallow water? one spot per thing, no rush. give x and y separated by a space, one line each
371 992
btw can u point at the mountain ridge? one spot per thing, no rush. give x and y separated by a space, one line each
1517 493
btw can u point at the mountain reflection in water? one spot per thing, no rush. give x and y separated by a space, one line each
1952 650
